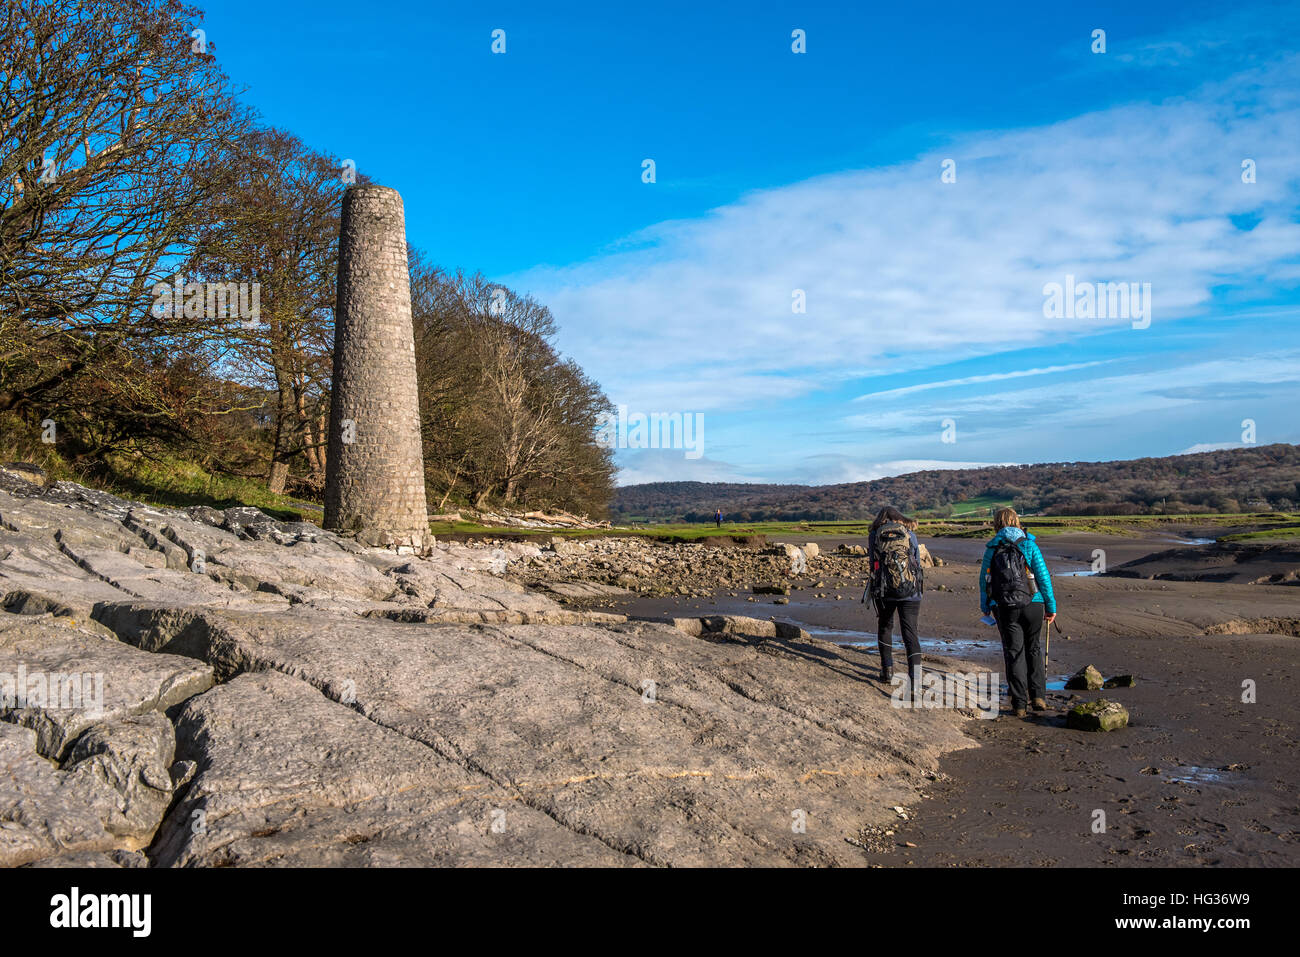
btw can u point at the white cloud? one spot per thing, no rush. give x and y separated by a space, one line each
845 470
698 314
1022 417
978 379
665 465
1210 447
1144 390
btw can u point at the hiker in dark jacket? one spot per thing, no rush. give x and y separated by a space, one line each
1020 618
896 586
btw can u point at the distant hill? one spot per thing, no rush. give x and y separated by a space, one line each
1251 479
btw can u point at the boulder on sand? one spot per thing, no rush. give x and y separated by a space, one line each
1099 715
1120 681
1086 679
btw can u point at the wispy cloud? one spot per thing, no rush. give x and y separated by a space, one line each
665 465
1027 412
902 271
831 470
894 261
1209 447
978 380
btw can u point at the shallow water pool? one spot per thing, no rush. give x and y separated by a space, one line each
867 640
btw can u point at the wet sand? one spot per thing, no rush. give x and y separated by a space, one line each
1198 778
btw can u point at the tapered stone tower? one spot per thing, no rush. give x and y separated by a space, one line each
374 481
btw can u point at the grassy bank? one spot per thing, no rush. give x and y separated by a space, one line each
1283 533
178 484
1268 526
181 484
169 482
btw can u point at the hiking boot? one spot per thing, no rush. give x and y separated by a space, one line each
886 676
1019 713
1038 704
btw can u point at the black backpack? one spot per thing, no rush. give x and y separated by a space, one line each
1010 583
898 575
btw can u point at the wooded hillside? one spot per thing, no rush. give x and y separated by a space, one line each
1232 480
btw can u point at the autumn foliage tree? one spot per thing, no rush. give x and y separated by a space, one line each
112 120
275 222
504 416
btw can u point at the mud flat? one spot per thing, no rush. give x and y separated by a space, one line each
1244 564
1199 778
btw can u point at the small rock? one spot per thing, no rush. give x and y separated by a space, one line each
1120 681
181 773
1099 715
1086 679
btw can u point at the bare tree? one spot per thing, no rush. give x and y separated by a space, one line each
275 222
504 416
112 120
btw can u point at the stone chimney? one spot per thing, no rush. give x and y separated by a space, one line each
374 481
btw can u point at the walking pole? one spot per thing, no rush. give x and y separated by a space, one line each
1047 652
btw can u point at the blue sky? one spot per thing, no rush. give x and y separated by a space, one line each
820 172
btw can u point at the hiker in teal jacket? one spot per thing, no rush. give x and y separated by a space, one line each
1021 625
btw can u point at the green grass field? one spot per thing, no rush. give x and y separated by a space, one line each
683 531
1282 526
1284 533
178 484
976 506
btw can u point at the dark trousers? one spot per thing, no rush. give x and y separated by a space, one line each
1022 650
908 612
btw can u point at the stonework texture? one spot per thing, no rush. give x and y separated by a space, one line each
375 470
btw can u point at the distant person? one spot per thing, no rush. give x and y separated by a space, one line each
896 585
718 517
1016 589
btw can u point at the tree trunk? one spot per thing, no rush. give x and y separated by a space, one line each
315 460
282 447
